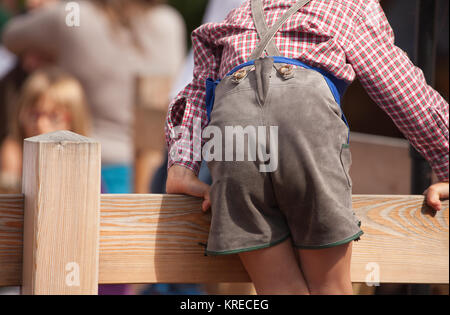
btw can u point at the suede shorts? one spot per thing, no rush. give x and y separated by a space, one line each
308 197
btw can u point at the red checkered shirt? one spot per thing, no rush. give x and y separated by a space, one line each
348 38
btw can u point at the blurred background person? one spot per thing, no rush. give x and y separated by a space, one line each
51 100
14 71
116 42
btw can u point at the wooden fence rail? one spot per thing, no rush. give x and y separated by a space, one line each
61 236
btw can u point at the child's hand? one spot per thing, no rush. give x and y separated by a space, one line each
435 193
181 180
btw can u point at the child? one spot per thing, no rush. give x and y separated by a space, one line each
286 64
50 100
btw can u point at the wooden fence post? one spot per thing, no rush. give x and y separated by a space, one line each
61 185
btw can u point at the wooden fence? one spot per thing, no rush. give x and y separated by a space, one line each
62 236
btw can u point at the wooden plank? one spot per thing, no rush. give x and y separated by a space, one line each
11 239
404 238
61 185
155 238
140 243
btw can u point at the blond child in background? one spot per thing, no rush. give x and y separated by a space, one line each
50 100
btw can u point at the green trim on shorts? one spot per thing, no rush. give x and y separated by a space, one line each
347 240
235 251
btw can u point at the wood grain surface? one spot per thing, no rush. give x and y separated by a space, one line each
11 239
61 182
154 238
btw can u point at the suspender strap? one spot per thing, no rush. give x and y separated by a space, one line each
265 34
262 28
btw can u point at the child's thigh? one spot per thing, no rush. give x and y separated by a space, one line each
327 269
275 270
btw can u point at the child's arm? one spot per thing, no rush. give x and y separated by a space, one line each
187 113
181 180
400 89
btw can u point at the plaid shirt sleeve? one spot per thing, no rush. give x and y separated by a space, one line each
187 115
400 88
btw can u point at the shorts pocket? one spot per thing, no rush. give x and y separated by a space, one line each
346 162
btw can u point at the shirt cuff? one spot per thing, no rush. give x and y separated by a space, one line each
180 154
193 166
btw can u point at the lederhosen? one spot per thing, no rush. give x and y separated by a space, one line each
308 197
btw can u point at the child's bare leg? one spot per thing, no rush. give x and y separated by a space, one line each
327 271
275 270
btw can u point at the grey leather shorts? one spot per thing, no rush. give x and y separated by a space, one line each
308 197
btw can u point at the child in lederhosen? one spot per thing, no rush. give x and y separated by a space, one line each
274 73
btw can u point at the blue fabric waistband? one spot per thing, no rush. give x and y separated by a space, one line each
337 86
